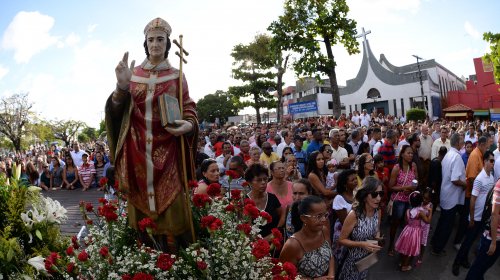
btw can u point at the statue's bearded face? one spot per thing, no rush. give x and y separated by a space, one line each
157 45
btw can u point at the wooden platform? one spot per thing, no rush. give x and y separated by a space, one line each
70 199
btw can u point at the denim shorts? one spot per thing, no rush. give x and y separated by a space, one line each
399 209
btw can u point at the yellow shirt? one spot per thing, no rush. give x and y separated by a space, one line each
269 159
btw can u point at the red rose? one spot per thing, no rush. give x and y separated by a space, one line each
142 276
266 216
246 228
89 207
103 182
230 207
102 200
201 265
235 194
260 248
277 243
108 211
290 269
214 189
193 184
116 186
200 200
244 184
251 210
210 222
89 222
83 256
217 224
74 241
276 270
165 261
104 251
249 201
146 223
277 234
51 262
232 174
126 277
70 251
70 267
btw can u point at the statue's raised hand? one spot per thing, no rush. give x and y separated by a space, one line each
124 72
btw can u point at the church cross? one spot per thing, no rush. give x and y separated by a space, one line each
363 33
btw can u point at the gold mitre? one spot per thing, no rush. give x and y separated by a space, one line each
158 24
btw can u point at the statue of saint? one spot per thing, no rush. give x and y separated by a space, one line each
148 159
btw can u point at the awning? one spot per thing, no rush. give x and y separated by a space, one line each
456 115
481 113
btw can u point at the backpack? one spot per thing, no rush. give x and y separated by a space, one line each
488 207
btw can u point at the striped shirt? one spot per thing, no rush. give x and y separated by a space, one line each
387 152
86 171
495 200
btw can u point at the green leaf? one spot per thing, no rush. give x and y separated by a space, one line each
38 234
10 254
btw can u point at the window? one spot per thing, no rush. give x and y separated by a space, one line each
402 106
330 105
350 108
395 107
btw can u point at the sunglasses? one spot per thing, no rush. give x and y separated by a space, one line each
375 194
329 151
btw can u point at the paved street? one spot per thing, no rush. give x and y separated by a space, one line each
436 268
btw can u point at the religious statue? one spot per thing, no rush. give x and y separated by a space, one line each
153 162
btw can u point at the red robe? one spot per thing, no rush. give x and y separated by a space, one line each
147 157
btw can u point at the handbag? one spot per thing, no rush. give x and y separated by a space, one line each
367 262
391 200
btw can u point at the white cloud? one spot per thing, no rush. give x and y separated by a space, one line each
28 34
3 71
91 28
470 30
72 39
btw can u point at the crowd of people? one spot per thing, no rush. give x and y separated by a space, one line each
330 184
56 168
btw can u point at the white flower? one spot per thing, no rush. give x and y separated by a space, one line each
38 263
55 212
28 222
34 189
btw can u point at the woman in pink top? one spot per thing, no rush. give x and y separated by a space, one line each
278 185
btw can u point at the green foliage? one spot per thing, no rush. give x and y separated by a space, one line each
415 114
306 23
87 134
41 131
494 56
218 105
14 117
102 128
252 65
66 130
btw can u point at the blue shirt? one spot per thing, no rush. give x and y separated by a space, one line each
313 146
465 158
301 157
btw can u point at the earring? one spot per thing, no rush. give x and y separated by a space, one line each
305 225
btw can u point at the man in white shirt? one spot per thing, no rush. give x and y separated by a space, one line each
496 152
424 152
223 159
471 135
355 118
483 183
442 141
452 193
287 137
77 154
376 141
364 119
338 153
209 147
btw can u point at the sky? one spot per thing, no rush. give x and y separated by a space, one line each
63 53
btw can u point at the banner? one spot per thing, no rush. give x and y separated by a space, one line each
302 107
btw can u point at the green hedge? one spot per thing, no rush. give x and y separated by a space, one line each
415 114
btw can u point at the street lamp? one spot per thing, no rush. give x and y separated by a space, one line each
420 79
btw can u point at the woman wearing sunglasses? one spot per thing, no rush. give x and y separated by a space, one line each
309 249
361 227
366 168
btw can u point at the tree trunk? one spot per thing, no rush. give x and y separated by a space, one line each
17 144
279 107
336 108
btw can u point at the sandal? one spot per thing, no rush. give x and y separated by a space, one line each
406 268
391 253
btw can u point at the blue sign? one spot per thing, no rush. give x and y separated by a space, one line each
302 107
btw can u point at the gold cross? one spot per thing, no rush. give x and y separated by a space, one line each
151 194
149 140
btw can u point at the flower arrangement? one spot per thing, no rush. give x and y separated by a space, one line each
228 247
29 230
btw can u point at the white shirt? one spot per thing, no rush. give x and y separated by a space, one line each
400 146
496 153
282 146
482 185
472 139
453 168
496 169
77 157
355 146
355 120
209 150
376 147
220 163
340 203
365 120
339 154
437 144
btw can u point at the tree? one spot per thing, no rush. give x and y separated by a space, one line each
66 130
306 23
252 66
14 116
494 56
88 134
218 105
41 130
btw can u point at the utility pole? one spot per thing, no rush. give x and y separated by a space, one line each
420 78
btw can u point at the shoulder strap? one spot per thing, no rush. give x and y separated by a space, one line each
295 238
